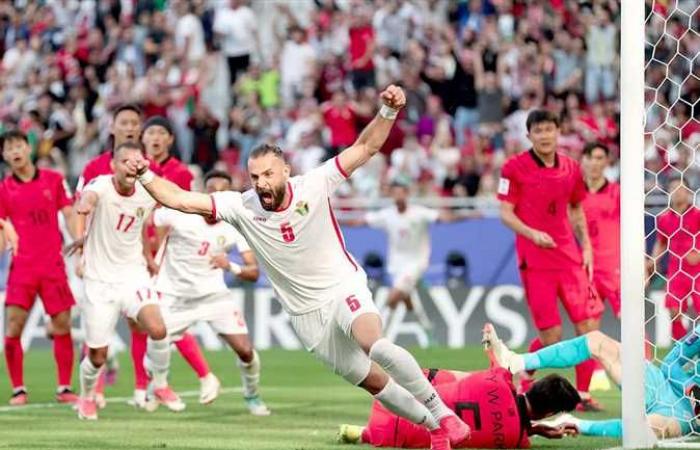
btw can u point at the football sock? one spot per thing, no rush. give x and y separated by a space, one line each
250 375
158 361
14 358
63 354
88 378
139 341
607 428
399 401
560 355
584 372
190 350
404 369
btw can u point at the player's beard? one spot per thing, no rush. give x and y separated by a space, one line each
271 199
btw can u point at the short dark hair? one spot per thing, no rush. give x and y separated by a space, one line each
127 107
552 394
12 135
538 116
217 174
265 149
588 149
130 145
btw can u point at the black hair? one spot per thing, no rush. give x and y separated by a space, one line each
552 394
12 135
217 174
588 149
130 145
266 149
538 116
127 107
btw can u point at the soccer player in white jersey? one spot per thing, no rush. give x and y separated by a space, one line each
289 224
191 281
407 227
116 278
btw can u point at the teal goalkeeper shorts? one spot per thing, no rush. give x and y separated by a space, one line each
660 398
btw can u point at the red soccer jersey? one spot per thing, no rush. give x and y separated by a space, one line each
174 170
681 232
602 210
99 165
341 123
541 196
485 400
32 207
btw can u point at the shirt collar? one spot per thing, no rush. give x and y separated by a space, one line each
541 163
34 178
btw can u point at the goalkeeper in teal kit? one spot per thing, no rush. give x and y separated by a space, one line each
672 394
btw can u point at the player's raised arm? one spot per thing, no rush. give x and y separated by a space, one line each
169 194
374 135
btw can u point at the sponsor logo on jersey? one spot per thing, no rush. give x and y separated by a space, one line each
302 208
259 219
221 241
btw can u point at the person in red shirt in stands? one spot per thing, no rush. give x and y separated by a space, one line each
361 50
30 198
541 193
339 117
677 230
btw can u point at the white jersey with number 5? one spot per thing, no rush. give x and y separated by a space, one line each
186 269
301 247
113 250
409 236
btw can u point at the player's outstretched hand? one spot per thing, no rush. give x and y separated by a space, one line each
557 432
393 97
542 239
219 261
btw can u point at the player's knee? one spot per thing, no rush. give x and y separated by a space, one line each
157 332
245 353
98 356
15 326
375 380
60 324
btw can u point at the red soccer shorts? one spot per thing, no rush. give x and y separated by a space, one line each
607 283
682 285
543 287
50 283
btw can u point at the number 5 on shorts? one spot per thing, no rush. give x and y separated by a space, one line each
353 303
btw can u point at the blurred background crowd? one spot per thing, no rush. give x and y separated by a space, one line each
305 74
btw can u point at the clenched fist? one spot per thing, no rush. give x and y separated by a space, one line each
393 97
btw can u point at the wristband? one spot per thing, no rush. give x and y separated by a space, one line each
235 268
387 112
147 177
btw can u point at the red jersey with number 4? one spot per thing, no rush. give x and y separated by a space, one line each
485 400
602 210
681 233
32 207
541 196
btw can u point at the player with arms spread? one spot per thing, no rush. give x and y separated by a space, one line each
191 282
30 199
290 225
116 278
541 193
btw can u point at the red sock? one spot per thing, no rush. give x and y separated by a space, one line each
63 354
584 372
139 342
14 357
535 345
678 331
190 350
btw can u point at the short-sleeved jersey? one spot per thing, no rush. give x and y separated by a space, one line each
681 231
301 247
172 169
185 269
484 400
409 236
541 196
113 250
32 208
602 209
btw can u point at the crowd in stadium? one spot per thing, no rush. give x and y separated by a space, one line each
307 76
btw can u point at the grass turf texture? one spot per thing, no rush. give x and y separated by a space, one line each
308 404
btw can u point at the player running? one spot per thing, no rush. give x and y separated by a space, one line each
290 225
487 401
541 193
116 278
30 199
668 387
192 285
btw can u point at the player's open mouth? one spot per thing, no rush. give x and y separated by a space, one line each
265 197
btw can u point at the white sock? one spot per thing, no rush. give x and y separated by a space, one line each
88 378
420 312
250 375
158 361
404 369
399 401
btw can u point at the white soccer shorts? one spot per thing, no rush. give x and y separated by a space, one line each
219 310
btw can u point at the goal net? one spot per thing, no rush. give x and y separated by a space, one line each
668 173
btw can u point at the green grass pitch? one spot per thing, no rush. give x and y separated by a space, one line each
308 404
